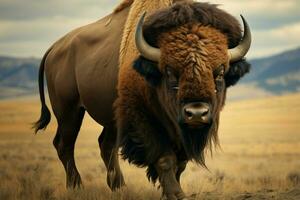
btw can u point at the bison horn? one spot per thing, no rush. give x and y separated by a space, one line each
238 52
143 47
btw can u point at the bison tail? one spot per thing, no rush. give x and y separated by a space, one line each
44 119
45 113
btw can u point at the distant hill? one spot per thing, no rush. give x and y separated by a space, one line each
18 76
274 75
278 74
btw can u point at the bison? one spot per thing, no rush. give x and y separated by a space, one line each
170 96
161 104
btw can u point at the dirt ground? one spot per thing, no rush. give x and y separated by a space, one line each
259 157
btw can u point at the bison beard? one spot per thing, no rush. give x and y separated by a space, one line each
195 141
143 136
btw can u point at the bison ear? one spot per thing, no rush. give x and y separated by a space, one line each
236 71
149 70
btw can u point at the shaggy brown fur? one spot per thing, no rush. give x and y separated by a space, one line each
184 12
195 52
193 38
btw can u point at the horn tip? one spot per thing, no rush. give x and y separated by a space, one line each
245 23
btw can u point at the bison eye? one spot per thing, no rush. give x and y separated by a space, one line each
219 77
219 73
172 79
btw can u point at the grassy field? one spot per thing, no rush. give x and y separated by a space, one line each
259 157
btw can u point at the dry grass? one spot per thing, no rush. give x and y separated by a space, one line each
259 159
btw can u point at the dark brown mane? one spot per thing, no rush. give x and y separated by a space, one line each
186 12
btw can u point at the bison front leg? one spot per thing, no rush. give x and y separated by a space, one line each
181 165
166 167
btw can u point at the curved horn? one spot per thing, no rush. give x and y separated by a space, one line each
238 52
143 47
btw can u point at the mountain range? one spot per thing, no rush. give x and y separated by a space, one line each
18 76
274 75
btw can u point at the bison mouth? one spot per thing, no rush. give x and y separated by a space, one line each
200 128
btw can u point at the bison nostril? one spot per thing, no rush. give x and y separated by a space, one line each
204 112
196 113
188 113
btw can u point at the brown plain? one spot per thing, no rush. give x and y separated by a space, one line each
259 157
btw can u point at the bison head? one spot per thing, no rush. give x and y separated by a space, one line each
191 53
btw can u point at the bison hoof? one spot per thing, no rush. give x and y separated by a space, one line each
174 197
74 182
115 180
169 197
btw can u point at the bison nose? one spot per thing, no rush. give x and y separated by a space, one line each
197 113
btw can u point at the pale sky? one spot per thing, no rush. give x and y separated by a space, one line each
29 27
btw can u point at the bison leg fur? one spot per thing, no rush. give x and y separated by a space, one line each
166 167
64 142
109 154
181 165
